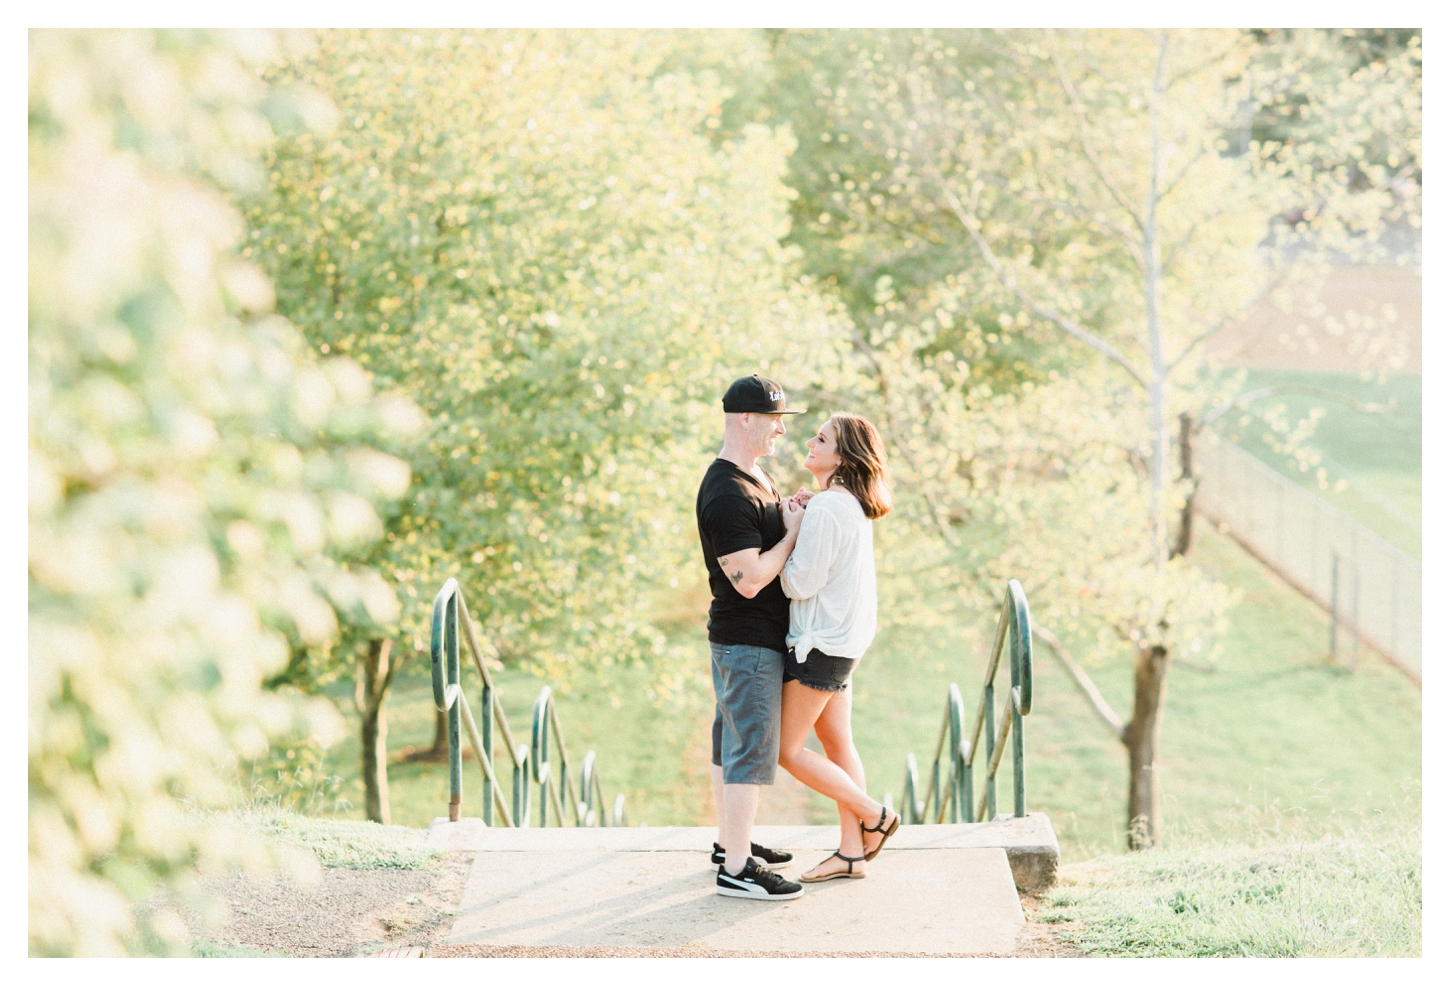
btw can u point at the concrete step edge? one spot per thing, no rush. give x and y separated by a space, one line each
1030 842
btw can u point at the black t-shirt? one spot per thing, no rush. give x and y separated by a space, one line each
733 511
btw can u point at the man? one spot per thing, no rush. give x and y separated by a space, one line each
747 534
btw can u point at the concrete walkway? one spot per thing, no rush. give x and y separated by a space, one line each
935 890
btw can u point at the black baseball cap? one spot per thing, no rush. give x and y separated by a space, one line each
761 395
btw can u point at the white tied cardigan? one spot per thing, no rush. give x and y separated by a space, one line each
830 578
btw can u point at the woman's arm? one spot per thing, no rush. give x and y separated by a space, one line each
751 569
809 564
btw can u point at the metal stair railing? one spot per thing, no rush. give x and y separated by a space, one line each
1014 629
531 762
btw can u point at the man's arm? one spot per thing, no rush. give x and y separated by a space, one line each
751 569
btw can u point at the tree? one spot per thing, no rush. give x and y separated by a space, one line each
534 235
191 468
1090 188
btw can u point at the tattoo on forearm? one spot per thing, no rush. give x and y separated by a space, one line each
737 577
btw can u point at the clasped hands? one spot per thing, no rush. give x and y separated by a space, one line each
793 508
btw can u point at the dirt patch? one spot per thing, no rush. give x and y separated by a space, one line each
348 913
568 952
1357 318
1039 940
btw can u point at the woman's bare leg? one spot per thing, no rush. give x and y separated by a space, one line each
800 708
833 729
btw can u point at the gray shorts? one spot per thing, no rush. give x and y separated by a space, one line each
745 740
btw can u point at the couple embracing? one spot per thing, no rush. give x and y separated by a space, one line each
793 609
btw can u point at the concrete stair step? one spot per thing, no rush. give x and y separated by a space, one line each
1030 842
935 890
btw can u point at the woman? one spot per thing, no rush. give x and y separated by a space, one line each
830 578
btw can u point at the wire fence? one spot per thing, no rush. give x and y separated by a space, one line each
1370 587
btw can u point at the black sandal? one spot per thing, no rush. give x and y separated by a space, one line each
848 873
886 833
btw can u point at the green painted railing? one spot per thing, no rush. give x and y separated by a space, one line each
533 767
951 766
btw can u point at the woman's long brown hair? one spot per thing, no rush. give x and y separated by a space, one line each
863 463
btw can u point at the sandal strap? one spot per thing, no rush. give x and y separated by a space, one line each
851 861
880 823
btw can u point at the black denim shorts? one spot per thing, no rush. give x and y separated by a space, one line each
820 670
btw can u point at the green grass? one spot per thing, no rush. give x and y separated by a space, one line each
204 949
1355 889
643 744
343 843
1378 456
1273 725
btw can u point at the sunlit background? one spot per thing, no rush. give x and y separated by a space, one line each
320 320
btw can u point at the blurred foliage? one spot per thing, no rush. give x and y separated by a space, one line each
294 776
190 469
549 251
872 240
534 235
1323 87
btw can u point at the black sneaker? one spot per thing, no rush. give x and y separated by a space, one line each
770 859
756 883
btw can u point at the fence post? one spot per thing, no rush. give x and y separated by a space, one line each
936 786
1354 602
1314 549
1395 609
454 678
1279 525
959 807
968 796
1354 612
990 703
485 728
1019 774
1248 497
1334 606
521 787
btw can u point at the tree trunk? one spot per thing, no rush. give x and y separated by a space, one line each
374 678
1150 686
1185 458
438 751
